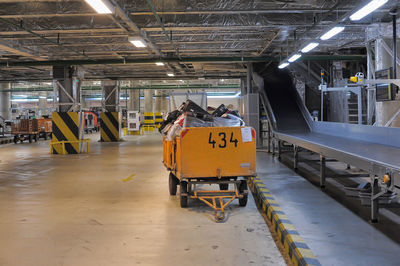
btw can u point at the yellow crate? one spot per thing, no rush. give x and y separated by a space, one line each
211 152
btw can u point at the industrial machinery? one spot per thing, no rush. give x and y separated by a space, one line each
211 155
375 150
91 122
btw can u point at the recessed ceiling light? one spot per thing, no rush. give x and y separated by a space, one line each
309 47
137 41
283 65
368 9
101 6
170 74
331 33
159 63
294 58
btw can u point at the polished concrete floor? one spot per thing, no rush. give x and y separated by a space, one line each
336 235
85 210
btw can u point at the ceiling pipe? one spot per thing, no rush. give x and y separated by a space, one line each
169 38
181 60
132 26
43 38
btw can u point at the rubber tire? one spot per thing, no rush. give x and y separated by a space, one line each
173 184
46 136
30 138
36 137
243 187
15 139
223 186
184 199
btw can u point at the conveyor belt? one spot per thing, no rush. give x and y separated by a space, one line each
373 149
361 150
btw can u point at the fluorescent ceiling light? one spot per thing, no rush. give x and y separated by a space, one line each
159 63
332 32
294 58
368 9
101 6
309 47
283 65
170 74
137 41
223 96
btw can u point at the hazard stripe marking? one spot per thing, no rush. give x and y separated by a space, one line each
295 246
65 128
109 126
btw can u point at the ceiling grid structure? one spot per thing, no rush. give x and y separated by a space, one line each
57 31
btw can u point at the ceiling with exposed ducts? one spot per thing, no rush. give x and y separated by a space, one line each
194 39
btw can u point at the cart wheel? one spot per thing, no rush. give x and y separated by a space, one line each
223 186
30 138
173 184
242 188
184 199
15 139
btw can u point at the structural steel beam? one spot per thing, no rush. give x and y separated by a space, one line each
152 87
177 60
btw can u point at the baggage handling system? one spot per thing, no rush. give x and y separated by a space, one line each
25 129
208 149
91 122
211 155
45 127
373 149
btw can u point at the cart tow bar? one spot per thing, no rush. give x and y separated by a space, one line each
219 216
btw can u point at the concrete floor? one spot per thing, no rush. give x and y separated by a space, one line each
77 210
336 235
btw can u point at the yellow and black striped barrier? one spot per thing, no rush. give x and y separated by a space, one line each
148 124
109 126
298 251
158 119
65 129
64 142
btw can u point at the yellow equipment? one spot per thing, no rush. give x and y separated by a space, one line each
211 155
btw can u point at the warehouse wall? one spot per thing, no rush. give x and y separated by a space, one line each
215 102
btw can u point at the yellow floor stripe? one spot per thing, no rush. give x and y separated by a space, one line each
129 178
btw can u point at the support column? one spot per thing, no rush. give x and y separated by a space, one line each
134 100
157 108
374 199
149 124
5 101
43 106
67 123
322 171
295 157
249 77
110 95
110 118
164 102
63 86
383 60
